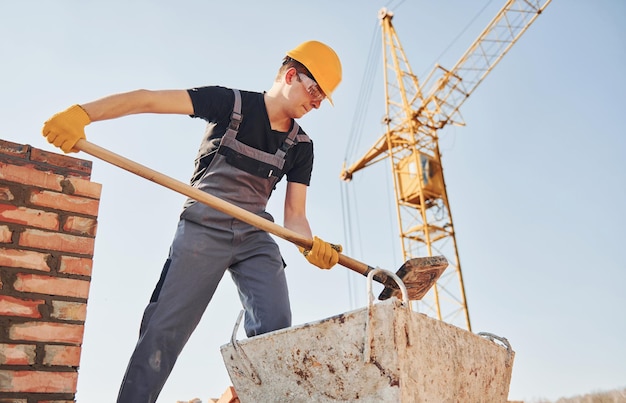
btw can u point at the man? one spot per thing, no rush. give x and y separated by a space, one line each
251 141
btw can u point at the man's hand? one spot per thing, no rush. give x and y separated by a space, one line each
65 128
323 254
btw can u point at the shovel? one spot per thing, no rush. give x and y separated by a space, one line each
417 274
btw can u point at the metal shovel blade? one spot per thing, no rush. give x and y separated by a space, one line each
417 274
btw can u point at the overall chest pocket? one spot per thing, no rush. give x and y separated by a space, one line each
250 165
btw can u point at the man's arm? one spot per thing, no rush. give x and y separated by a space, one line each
295 209
322 254
64 129
139 101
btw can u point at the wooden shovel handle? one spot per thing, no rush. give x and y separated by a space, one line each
212 201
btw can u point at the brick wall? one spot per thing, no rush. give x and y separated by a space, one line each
48 217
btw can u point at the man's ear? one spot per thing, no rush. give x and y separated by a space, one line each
290 75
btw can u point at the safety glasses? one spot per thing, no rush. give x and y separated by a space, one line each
314 90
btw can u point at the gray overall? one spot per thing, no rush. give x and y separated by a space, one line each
206 244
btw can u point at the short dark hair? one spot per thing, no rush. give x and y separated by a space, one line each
288 63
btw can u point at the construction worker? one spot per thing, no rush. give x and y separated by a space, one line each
251 141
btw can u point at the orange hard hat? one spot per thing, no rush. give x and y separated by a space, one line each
323 63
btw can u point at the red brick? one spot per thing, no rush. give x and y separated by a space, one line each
76 265
62 355
86 188
28 175
80 225
24 259
17 354
67 310
54 241
38 381
27 216
47 285
62 161
229 396
14 149
5 234
5 194
65 202
47 332
27 308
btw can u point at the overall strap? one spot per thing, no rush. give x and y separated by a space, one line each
289 141
236 117
235 120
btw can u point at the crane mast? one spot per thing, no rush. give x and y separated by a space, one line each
415 112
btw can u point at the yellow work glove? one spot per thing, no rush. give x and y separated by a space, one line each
65 128
323 254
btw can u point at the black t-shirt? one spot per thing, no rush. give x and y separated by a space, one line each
215 105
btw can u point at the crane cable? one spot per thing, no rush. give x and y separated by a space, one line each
348 201
348 194
460 34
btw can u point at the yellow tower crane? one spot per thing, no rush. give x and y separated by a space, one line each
415 112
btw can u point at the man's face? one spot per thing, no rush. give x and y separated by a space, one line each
314 90
307 93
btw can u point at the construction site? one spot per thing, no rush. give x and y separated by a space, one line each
497 305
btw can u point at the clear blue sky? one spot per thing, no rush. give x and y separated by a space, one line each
537 178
